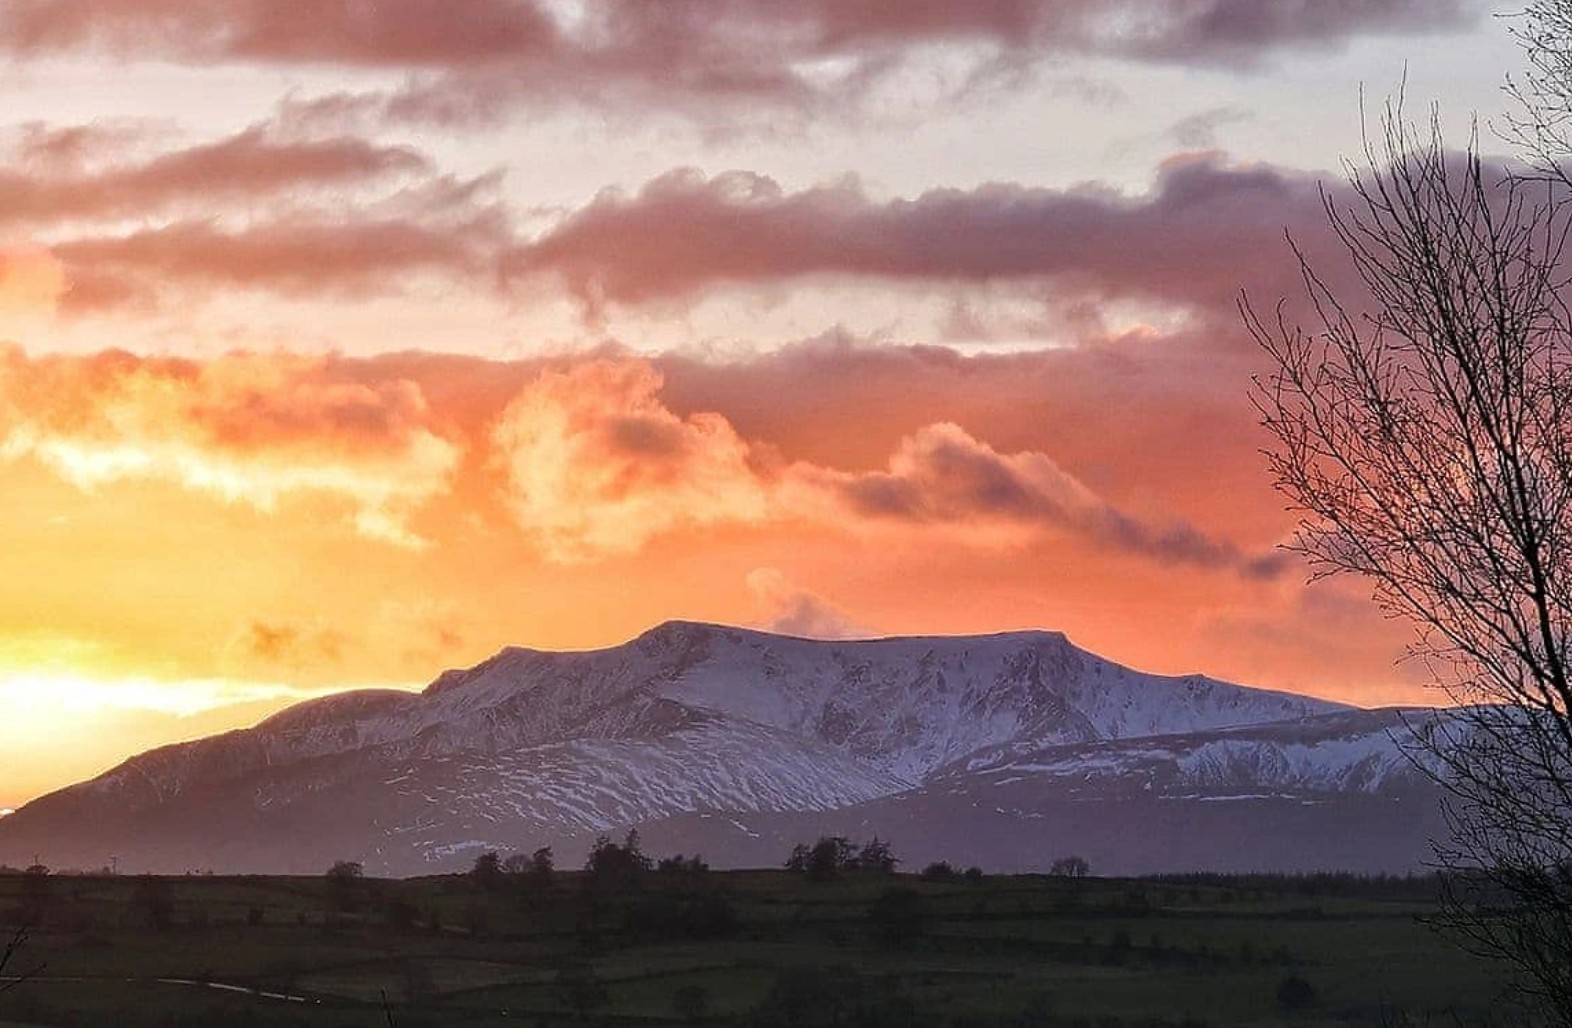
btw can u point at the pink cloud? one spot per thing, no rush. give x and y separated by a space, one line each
685 233
130 216
631 52
81 172
302 257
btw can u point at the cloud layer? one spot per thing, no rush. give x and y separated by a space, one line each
803 53
242 429
590 459
685 232
133 217
122 219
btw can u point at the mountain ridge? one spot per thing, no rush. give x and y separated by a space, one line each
689 719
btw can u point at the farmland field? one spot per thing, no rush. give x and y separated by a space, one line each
736 948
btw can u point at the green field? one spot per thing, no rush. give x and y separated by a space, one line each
736 948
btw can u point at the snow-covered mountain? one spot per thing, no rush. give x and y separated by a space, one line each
731 741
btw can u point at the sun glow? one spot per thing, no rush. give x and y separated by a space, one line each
57 692
62 725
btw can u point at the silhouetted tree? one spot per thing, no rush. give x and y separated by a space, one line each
614 865
10 977
487 870
1426 441
344 884
1070 867
533 868
831 854
876 856
940 871
680 864
1541 123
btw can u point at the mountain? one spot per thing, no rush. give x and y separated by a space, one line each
1007 750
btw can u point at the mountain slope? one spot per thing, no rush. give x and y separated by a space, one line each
697 721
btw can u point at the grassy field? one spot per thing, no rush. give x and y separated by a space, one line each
735 948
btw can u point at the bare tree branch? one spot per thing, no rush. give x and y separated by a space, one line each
8 955
1426 441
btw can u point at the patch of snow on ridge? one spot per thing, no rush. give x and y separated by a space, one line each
912 705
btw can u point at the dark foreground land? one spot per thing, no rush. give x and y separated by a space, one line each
735 948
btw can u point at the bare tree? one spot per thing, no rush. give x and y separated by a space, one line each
9 978
1423 429
1543 91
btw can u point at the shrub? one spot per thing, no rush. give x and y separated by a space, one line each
682 865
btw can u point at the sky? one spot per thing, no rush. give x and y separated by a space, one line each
344 342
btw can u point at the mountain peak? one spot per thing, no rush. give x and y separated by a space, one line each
690 719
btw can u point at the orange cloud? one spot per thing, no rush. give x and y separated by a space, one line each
243 428
596 465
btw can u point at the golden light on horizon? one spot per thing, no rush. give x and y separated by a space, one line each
62 726
315 374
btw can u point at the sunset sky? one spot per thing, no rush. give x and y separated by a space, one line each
346 341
